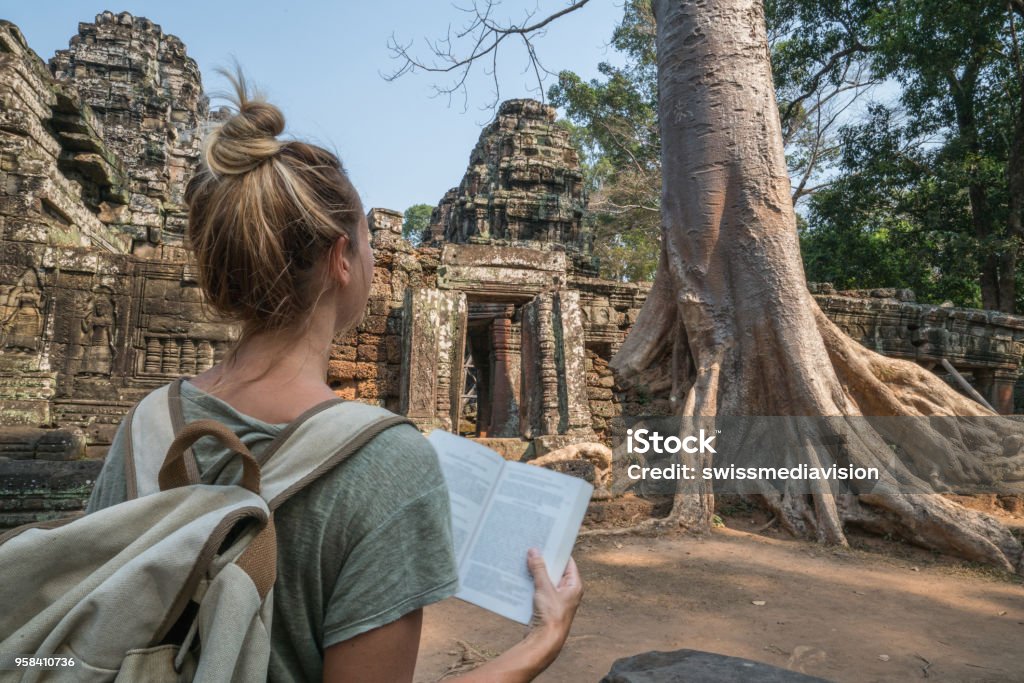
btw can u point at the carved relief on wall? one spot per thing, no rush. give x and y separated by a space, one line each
21 324
98 327
174 356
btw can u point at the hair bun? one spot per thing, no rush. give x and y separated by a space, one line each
248 138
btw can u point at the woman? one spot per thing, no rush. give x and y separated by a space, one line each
282 247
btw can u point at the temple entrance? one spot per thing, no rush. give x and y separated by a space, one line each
490 371
493 365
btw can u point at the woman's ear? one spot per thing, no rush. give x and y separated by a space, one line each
338 264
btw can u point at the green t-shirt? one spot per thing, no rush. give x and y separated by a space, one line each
365 544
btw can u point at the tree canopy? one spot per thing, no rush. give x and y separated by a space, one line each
904 136
417 220
616 127
934 175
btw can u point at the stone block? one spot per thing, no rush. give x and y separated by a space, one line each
388 379
345 389
341 370
367 370
368 389
29 476
41 444
368 338
393 349
374 324
380 306
162 306
394 322
346 352
602 408
24 412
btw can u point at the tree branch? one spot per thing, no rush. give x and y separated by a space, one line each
815 80
486 36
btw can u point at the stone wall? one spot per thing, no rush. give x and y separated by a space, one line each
96 306
56 168
94 152
984 346
366 363
610 309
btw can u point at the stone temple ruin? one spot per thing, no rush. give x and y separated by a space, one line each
496 326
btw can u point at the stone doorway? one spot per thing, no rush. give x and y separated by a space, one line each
491 371
518 361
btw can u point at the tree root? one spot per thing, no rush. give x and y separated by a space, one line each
653 526
937 455
597 453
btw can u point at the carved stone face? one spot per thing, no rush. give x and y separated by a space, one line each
103 308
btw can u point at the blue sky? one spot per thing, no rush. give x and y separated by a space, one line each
321 62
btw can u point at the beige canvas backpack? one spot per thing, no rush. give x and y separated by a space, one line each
176 583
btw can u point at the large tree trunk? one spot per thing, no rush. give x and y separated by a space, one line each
998 267
1015 217
982 221
730 312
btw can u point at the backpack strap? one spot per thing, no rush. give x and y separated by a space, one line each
259 559
173 472
178 423
150 422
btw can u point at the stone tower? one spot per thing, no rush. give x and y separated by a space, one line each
523 187
147 94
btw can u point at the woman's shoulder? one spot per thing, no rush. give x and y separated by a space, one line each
395 474
398 458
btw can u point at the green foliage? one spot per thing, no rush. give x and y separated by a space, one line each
820 75
615 124
417 220
899 218
629 255
914 190
922 198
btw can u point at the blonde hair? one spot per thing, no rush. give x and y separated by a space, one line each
263 213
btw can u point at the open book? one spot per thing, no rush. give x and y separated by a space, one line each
500 510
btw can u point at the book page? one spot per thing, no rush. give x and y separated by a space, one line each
531 508
471 472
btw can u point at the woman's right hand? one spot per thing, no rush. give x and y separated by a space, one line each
554 606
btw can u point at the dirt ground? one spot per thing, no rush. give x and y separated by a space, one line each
879 611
